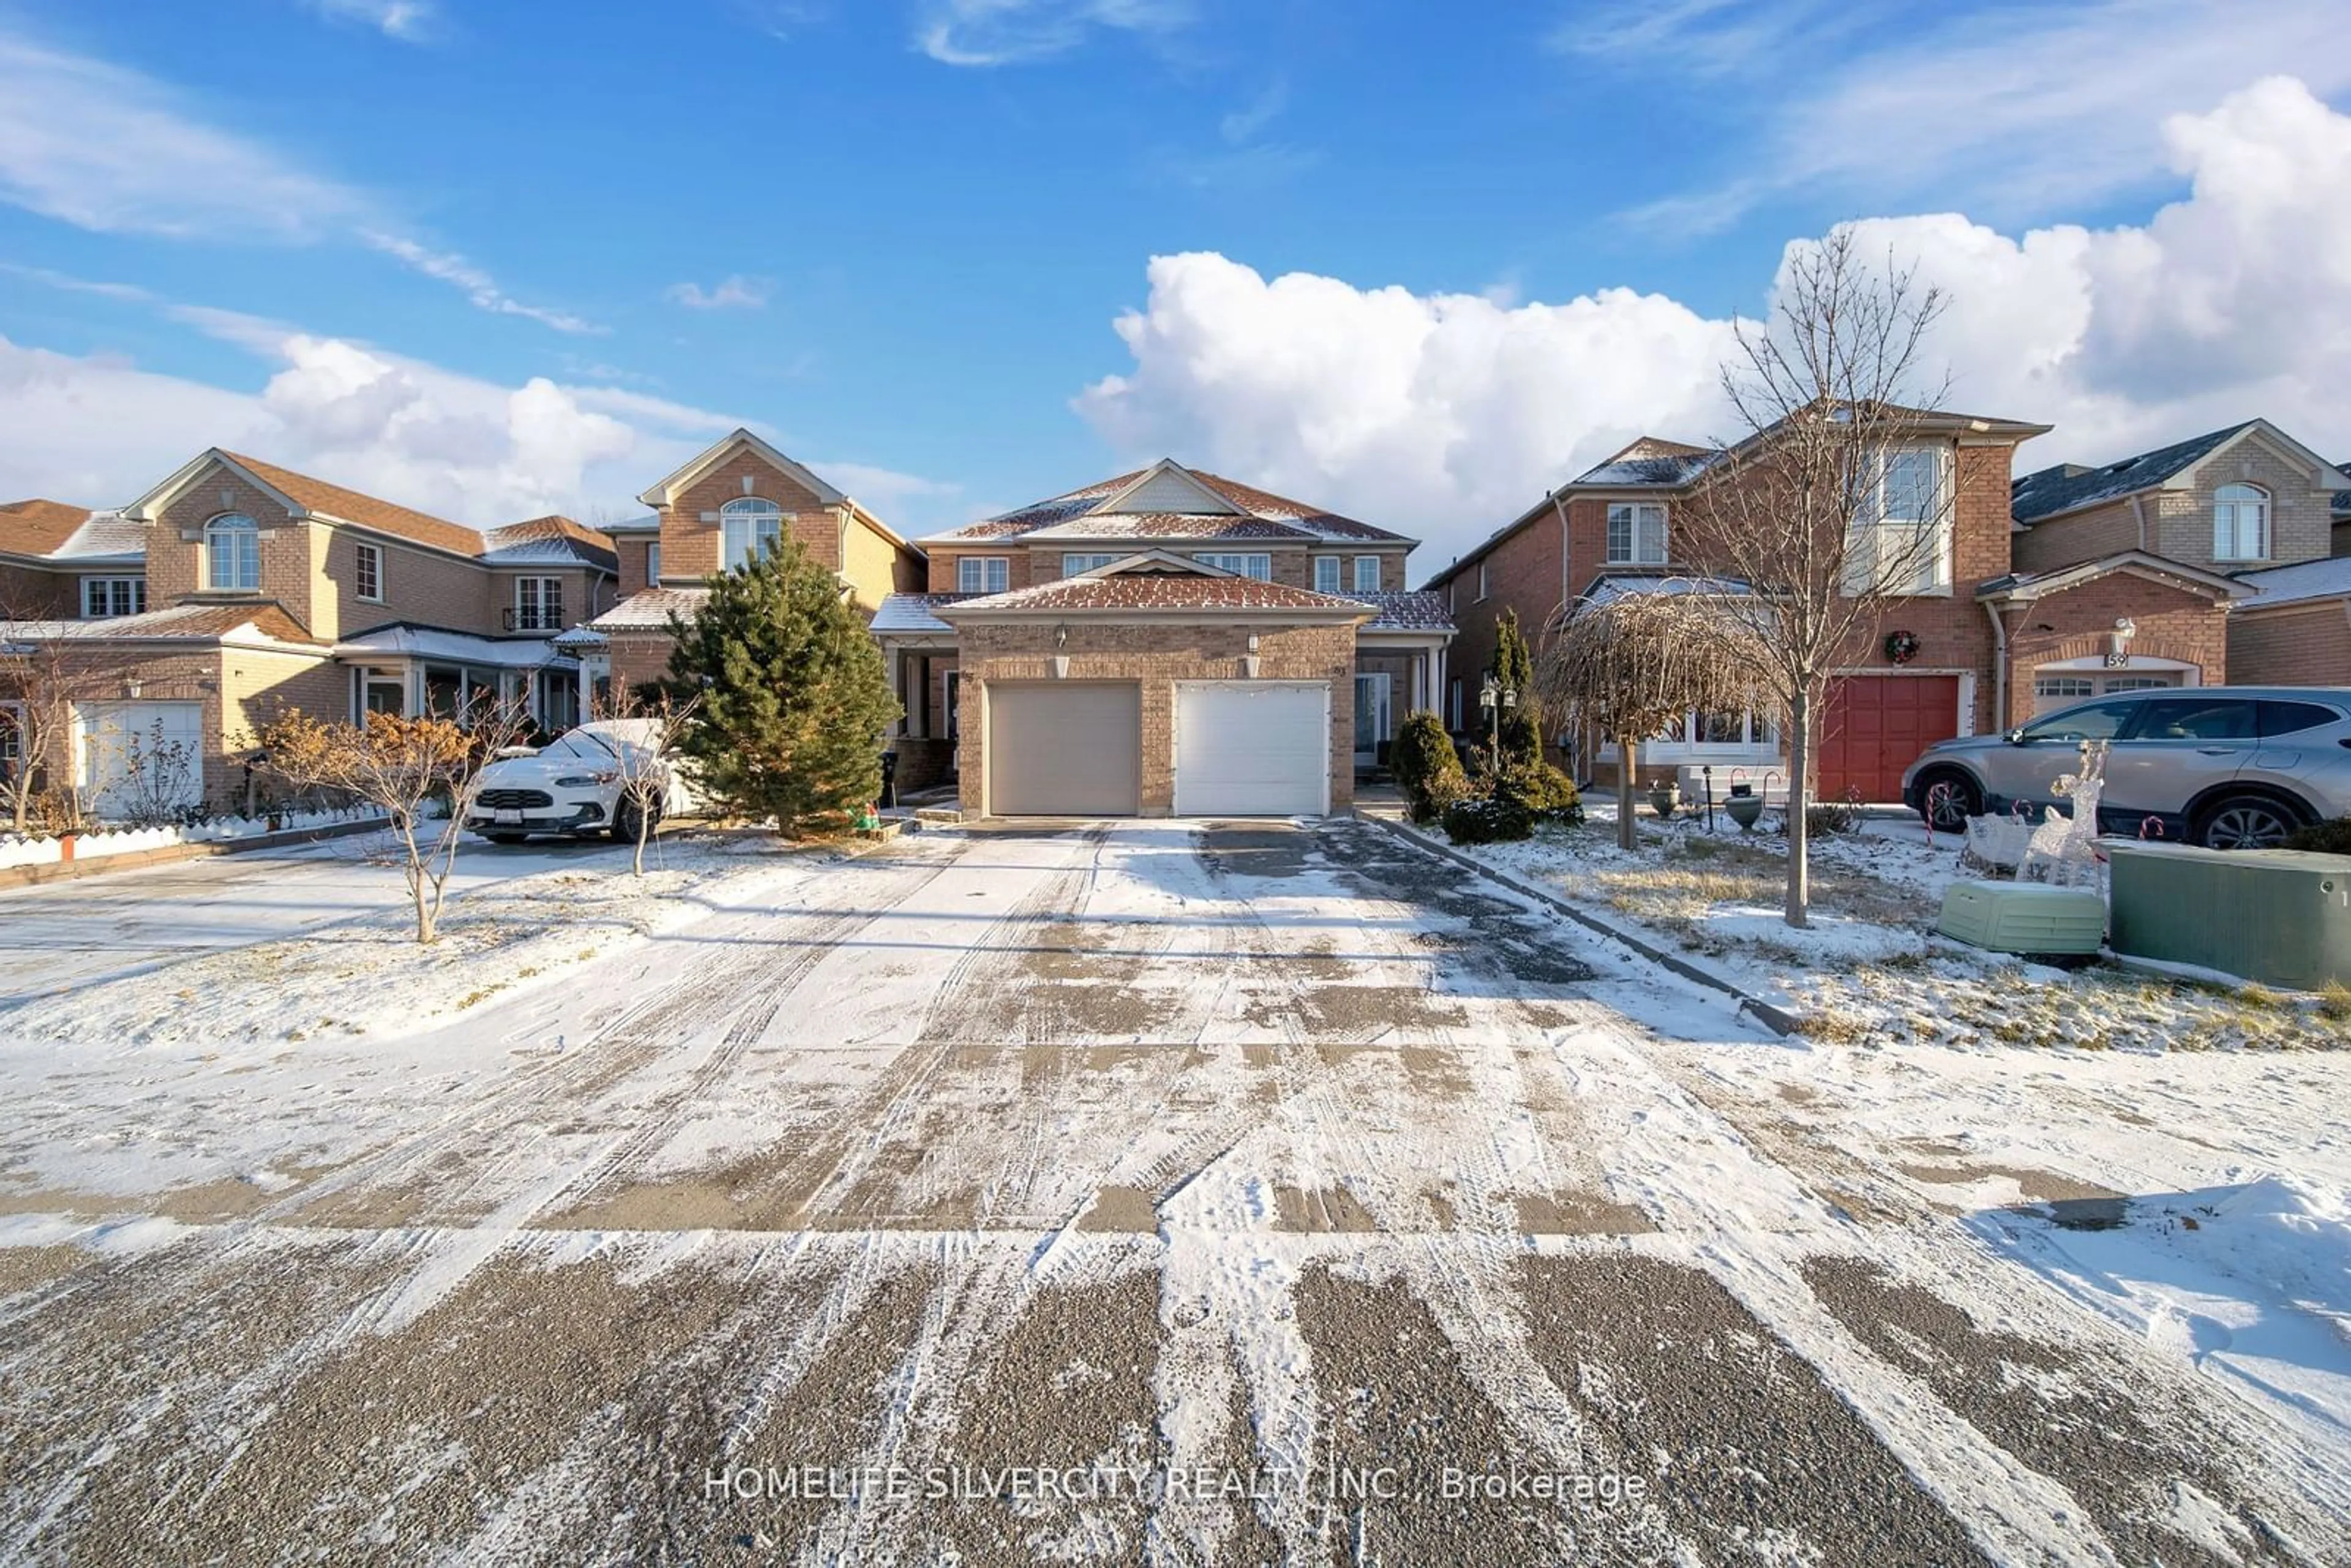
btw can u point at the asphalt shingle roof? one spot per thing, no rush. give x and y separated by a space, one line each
1412 612
37 526
2308 579
2071 485
1161 591
1075 514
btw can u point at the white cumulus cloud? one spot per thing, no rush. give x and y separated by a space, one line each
733 293
1447 414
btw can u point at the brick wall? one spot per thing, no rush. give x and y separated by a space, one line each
176 569
2091 535
2171 623
638 657
29 594
2292 645
1157 654
418 584
692 548
634 550
1524 574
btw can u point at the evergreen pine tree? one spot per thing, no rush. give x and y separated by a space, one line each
1514 670
794 695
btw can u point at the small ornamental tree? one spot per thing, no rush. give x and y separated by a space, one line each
40 682
403 766
648 730
1633 665
1514 672
794 695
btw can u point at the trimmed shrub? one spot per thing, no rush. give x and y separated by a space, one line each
2322 837
1427 767
1540 789
1487 821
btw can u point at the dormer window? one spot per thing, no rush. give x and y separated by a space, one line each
751 528
232 554
1637 534
2240 523
983 574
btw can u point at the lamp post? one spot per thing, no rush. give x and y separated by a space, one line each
1489 703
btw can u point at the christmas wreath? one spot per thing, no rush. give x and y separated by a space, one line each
1901 647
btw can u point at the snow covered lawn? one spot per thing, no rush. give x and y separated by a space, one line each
1870 968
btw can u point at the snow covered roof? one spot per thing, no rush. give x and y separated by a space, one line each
105 536
1156 582
2021 585
550 539
1412 612
904 614
2298 584
650 609
37 526
1168 500
1649 463
406 640
179 622
1609 587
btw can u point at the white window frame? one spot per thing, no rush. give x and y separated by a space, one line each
1645 537
367 560
1372 562
652 563
538 603
2230 505
749 528
1481 582
1076 563
130 591
12 733
1326 574
245 534
983 574
1240 563
1453 705
1872 525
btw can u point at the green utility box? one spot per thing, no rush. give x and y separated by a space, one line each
2024 917
2279 916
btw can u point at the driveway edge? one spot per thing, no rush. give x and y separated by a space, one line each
170 854
1778 1020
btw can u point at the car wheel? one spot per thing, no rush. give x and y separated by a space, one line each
1946 799
506 837
2245 822
626 819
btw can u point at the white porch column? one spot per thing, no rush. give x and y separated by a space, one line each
898 688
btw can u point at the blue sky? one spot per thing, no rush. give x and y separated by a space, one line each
1420 260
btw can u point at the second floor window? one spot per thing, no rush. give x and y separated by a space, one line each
1326 574
751 529
538 603
653 564
2240 523
1900 539
1483 584
1367 574
1257 566
1072 565
1637 534
232 554
104 598
983 574
367 572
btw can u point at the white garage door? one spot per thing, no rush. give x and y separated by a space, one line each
1252 748
140 761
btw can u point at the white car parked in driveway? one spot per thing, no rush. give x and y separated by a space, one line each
574 784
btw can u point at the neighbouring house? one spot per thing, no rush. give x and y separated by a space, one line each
1613 528
237 589
734 501
1166 641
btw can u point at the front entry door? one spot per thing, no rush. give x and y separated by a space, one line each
1371 719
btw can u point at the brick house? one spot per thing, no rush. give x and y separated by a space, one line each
2248 502
1164 641
237 589
717 512
1615 525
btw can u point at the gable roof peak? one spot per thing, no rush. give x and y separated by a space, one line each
742 436
1169 488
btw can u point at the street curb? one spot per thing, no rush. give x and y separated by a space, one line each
1778 1020
172 854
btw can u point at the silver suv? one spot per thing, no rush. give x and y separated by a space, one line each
2226 766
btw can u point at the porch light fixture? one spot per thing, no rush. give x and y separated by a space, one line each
130 690
1252 641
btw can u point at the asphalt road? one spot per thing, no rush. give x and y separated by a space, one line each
1155 1193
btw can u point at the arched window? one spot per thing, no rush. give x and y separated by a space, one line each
751 526
2240 523
233 553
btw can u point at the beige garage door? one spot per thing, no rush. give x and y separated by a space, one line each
1064 749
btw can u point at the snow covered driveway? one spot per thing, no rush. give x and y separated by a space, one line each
1154 1192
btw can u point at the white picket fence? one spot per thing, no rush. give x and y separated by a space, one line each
36 849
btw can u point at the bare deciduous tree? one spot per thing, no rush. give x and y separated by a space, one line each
1836 500
645 735
42 677
404 766
1631 664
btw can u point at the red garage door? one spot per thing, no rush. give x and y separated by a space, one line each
1876 725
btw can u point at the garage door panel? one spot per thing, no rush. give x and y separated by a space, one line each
1875 727
1064 749
138 757
1249 749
